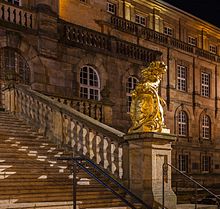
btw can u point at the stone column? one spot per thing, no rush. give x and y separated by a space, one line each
147 153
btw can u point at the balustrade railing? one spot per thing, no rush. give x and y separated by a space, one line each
188 190
84 135
149 34
17 15
94 109
76 35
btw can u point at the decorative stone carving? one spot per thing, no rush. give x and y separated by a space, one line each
147 106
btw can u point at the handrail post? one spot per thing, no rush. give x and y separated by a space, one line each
196 196
74 183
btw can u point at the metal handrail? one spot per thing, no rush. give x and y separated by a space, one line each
165 173
79 160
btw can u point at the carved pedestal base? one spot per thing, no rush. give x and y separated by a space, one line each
147 153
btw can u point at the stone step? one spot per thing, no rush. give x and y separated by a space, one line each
199 206
32 177
40 205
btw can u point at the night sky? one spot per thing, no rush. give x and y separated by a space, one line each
208 10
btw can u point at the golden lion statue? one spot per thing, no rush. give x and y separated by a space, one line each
147 106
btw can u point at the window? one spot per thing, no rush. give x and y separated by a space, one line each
206 163
213 49
205 84
168 31
111 8
181 78
182 123
192 41
183 163
132 82
206 127
15 2
89 83
140 20
15 66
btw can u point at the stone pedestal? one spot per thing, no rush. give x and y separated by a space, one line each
147 152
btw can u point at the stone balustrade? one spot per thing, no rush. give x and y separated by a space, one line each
94 109
84 135
154 36
17 15
76 35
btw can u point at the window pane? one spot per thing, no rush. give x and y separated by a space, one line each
89 80
182 123
132 82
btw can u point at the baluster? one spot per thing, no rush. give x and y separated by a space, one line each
91 154
25 19
2 12
9 14
101 150
108 154
31 21
94 148
79 137
120 162
85 135
14 16
73 135
20 18
65 135
115 159
98 141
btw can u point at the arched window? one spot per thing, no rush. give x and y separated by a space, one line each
89 83
13 66
182 123
131 83
206 127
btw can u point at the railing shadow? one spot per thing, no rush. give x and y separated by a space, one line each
188 189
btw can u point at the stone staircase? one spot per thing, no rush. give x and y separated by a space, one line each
31 176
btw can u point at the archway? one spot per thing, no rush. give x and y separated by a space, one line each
13 67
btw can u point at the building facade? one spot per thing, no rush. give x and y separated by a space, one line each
88 54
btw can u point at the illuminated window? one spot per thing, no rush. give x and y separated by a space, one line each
183 163
205 163
168 31
182 123
213 49
15 2
140 20
206 127
192 41
89 83
181 78
131 83
205 84
111 8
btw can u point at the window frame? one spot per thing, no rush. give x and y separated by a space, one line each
168 31
213 49
181 124
206 127
87 85
128 90
205 84
183 162
181 80
205 163
192 40
140 18
110 4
